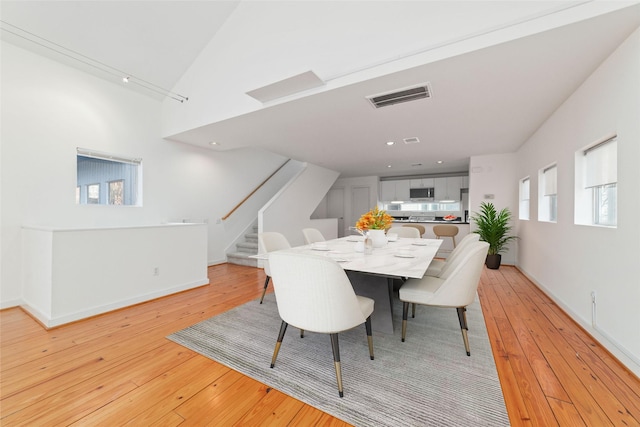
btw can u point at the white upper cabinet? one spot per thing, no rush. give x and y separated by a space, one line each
448 188
395 190
422 183
444 188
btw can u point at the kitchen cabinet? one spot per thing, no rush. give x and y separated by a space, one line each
448 188
395 190
422 183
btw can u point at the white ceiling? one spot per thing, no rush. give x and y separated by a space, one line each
484 102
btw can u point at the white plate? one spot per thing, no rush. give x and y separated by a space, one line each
321 248
420 243
355 239
404 255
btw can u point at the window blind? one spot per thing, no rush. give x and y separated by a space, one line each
601 164
525 189
550 180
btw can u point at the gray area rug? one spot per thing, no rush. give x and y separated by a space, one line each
426 381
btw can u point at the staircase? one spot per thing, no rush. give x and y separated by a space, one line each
245 249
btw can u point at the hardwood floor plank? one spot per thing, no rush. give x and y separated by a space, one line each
275 410
173 387
119 368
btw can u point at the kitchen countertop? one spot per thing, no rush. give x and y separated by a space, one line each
434 221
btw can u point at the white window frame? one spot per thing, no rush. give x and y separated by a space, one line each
524 196
596 176
547 193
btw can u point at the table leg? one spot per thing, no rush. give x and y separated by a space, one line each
380 289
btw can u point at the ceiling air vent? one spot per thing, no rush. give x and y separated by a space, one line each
412 140
401 95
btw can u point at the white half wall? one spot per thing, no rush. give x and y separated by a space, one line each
71 274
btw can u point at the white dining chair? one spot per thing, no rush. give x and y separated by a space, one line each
312 235
436 265
421 228
405 232
270 241
313 293
456 288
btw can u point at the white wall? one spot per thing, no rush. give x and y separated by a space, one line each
347 185
49 109
570 261
491 180
290 210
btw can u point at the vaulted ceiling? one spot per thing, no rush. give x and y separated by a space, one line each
485 101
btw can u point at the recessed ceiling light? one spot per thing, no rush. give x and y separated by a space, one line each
390 142
388 166
125 79
214 143
439 162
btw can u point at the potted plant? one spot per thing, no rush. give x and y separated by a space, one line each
493 228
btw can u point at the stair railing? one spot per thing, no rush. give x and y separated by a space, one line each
254 190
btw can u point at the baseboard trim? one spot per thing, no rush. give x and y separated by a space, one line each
53 322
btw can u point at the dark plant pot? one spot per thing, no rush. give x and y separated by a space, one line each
493 261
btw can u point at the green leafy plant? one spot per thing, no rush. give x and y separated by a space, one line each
493 227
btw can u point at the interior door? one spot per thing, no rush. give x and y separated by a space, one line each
335 207
360 203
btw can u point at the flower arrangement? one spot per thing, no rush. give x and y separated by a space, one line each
449 217
375 219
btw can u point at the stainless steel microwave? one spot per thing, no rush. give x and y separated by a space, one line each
424 193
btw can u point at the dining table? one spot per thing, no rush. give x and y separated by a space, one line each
373 274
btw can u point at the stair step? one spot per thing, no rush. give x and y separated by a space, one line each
251 237
249 247
241 258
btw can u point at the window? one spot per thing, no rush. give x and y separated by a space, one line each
596 184
547 194
116 191
120 177
93 194
523 212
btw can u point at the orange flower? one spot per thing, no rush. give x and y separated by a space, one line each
375 219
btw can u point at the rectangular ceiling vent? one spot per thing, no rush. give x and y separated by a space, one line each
402 95
412 140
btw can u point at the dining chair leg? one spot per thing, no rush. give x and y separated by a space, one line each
413 310
301 333
264 291
336 361
367 325
462 317
405 312
283 329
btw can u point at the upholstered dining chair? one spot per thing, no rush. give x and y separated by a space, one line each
312 235
270 241
436 266
455 288
420 228
446 230
405 232
313 293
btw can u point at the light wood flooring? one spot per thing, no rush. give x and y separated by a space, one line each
119 369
